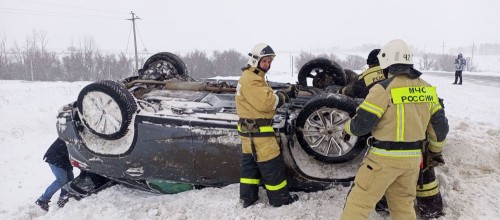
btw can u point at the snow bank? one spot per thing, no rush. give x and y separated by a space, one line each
470 180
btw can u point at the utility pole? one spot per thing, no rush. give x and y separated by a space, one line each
472 57
443 48
134 17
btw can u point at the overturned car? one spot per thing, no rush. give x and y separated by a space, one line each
164 132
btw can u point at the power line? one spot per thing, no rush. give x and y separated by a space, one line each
140 37
72 6
54 14
128 39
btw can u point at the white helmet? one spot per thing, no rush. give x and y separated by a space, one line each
395 52
258 52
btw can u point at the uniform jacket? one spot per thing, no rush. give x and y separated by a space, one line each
57 155
460 64
254 97
407 122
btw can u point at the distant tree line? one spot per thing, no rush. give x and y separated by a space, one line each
352 62
225 63
489 49
32 61
425 61
440 62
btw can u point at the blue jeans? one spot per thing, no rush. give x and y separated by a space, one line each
62 177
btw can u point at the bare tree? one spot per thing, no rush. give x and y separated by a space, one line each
302 59
228 62
446 63
198 64
353 62
427 62
331 56
489 49
4 59
305 57
124 67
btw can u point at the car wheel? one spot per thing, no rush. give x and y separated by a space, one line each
320 129
166 64
106 108
323 72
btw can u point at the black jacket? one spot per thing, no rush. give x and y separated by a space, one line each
57 155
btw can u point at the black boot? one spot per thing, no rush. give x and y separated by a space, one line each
289 201
43 204
382 206
430 207
293 198
247 203
62 201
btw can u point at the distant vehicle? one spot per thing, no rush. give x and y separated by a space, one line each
164 132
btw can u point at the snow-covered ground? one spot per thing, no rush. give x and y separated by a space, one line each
470 180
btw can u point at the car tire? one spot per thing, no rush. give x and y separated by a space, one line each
106 108
173 61
320 129
324 73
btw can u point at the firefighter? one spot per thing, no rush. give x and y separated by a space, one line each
429 199
359 88
400 112
256 105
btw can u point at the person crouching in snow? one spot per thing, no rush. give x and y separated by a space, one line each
58 160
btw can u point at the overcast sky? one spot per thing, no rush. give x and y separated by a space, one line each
287 25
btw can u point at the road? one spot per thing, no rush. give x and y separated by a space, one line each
479 79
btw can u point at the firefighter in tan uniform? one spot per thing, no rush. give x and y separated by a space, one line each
401 112
256 105
367 79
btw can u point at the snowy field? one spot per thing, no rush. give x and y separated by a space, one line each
470 180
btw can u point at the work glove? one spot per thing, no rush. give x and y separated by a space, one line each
292 91
435 159
283 98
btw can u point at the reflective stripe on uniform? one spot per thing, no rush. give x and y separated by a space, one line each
414 94
266 129
262 129
372 108
250 181
435 107
428 189
400 123
437 143
347 127
428 186
276 187
428 193
396 153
